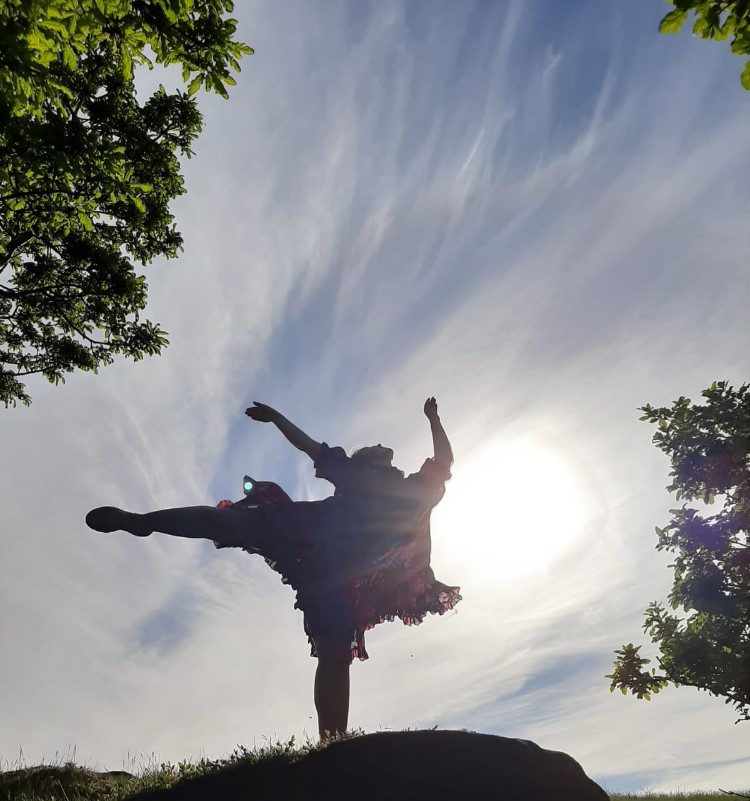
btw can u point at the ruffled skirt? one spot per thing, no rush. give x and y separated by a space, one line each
345 584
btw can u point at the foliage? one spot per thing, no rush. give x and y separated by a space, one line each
715 19
87 172
708 648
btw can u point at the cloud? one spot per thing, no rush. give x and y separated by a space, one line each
534 222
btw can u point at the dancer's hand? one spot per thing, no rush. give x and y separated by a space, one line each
440 442
261 413
431 409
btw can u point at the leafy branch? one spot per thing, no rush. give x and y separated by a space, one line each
704 641
718 20
88 171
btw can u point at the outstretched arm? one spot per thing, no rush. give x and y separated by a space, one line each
298 438
440 442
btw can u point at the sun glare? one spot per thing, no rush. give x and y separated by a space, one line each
510 511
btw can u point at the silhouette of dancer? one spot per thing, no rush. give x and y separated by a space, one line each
356 559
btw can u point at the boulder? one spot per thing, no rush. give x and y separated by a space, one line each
400 766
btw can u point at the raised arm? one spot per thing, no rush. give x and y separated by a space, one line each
298 438
443 450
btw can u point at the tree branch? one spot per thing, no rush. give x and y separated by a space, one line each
17 294
83 334
17 241
33 192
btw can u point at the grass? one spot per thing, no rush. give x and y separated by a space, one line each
675 797
67 781
70 782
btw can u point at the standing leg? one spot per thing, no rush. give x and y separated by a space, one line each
229 526
332 685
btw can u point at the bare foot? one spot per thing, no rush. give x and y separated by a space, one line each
110 518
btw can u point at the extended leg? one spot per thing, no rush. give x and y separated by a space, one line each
332 685
229 526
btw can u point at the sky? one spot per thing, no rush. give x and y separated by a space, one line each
534 211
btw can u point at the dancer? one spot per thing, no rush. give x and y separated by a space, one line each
355 559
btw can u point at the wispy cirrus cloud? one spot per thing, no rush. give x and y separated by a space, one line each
536 217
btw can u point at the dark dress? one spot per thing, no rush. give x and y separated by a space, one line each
359 557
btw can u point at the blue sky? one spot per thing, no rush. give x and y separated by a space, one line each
538 217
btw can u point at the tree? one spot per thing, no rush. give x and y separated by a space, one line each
715 19
709 647
87 172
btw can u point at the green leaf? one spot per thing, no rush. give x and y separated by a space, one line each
195 84
127 63
85 221
726 30
55 26
701 27
673 21
69 57
745 77
740 45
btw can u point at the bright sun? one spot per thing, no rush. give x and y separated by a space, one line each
508 512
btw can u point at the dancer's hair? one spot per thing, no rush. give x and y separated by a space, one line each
364 455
